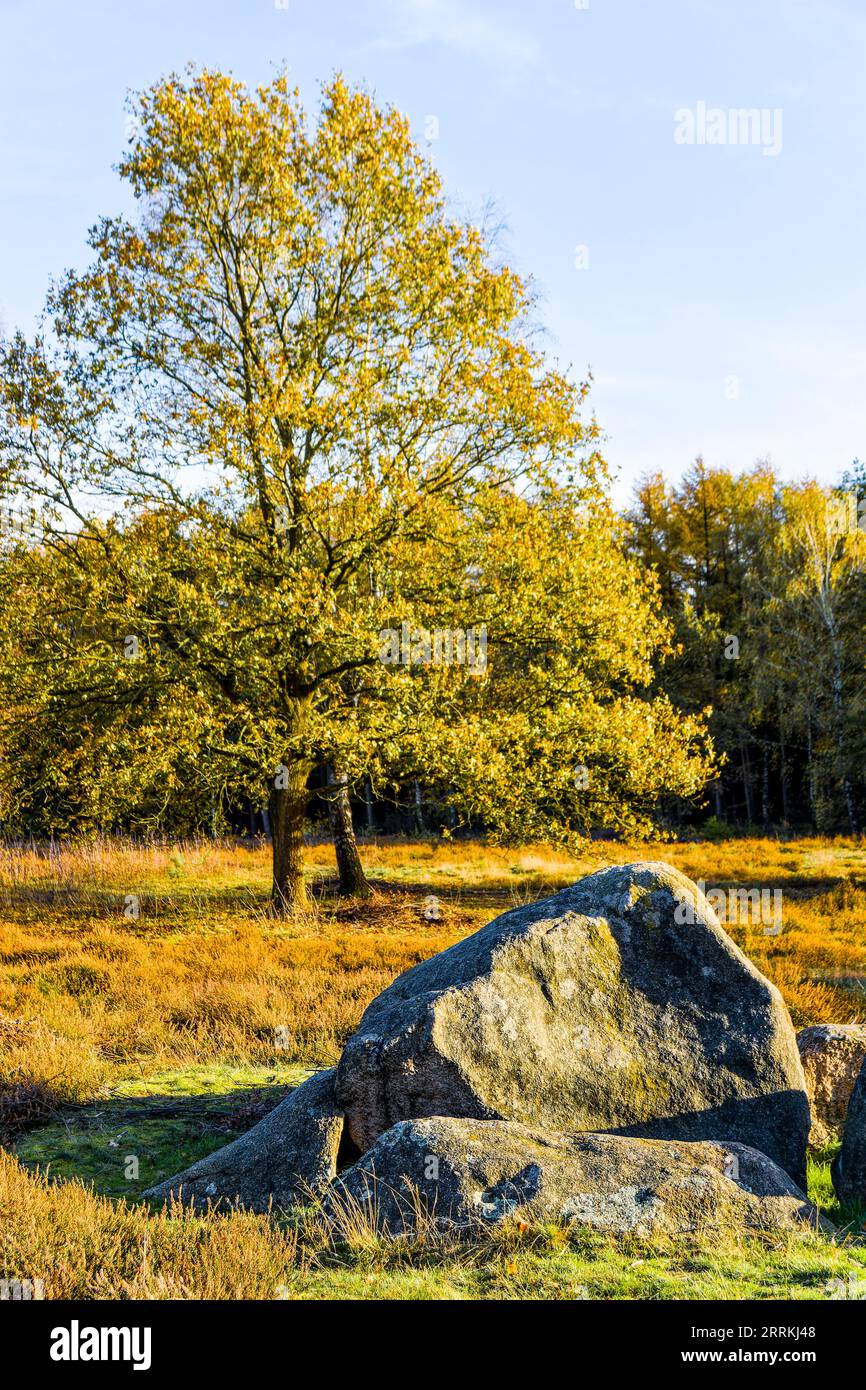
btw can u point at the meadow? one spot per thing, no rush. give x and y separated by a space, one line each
151 1009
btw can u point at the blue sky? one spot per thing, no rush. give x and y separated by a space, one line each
721 297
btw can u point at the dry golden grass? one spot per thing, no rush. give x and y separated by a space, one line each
71 1244
82 1246
205 975
93 999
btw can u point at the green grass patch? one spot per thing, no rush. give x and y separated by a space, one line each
149 1128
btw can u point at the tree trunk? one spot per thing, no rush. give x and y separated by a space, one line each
839 727
353 882
420 823
747 781
368 803
288 805
811 772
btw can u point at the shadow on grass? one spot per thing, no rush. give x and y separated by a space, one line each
124 1144
128 907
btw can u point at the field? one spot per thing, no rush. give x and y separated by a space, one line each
151 1009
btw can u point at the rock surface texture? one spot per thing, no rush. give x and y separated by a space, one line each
832 1055
849 1167
619 1005
465 1173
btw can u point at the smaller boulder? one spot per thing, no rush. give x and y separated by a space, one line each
849 1166
832 1055
462 1174
287 1155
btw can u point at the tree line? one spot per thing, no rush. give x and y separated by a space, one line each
765 585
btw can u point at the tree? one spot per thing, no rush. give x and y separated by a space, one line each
558 736
308 370
290 433
352 880
765 586
93 737
823 565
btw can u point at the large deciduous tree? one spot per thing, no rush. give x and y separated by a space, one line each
297 353
285 410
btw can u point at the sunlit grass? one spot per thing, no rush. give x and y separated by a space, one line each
203 995
83 1246
203 974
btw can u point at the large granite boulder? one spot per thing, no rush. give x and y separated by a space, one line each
849 1166
289 1154
832 1055
618 1005
463 1174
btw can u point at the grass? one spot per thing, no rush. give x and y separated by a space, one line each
143 1132
151 1009
81 1245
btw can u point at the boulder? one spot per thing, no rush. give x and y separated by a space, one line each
463 1174
849 1166
832 1055
618 1005
290 1153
